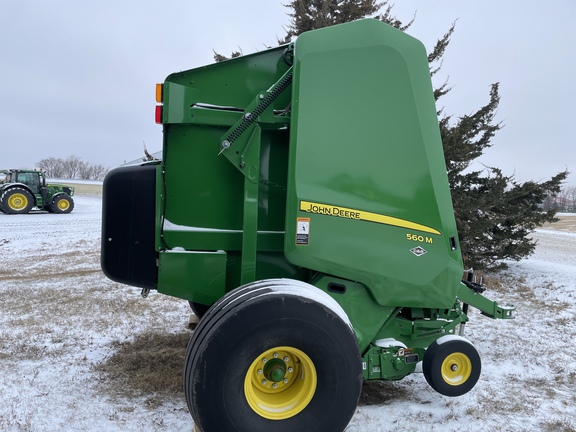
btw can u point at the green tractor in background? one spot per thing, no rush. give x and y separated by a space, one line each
22 190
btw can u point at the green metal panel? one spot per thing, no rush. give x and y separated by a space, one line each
195 276
197 113
232 84
206 205
389 363
367 316
203 207
367 176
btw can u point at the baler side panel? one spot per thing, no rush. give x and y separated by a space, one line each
367 172
205 193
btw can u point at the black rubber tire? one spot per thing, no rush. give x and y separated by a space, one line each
457 352
25 195
57 204
250 321
198 309
229 300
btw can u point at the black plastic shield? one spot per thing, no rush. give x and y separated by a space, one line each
128 252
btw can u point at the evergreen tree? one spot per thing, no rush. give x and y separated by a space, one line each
314 14
494 213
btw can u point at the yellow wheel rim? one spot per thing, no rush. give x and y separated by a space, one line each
63 204
280 383
17 201
456 369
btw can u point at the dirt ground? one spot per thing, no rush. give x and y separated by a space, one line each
566 223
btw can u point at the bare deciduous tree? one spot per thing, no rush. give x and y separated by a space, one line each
85 171
572 198
566 199
99 172
54 167
72 167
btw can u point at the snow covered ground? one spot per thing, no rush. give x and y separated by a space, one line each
77 351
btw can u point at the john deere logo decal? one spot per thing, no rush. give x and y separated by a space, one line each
355 214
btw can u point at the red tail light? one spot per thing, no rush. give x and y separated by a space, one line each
158 114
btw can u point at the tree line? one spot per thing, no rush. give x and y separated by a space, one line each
565 201
72 167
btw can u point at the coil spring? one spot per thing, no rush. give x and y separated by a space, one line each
260 108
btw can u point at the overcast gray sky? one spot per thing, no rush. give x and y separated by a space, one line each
78 77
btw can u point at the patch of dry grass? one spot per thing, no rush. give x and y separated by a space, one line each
564 425
520 290
566 223
151 365
383 393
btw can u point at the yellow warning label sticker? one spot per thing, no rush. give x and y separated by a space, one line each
348 213
303 231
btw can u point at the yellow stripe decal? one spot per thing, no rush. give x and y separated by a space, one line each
348 213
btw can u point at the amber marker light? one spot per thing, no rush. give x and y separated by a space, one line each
159 93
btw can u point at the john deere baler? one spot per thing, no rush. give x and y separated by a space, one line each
302 207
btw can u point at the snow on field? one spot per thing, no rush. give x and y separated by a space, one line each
62 321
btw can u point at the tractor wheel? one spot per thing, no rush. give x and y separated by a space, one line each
16 201
452 366
198 309
276 354
62 204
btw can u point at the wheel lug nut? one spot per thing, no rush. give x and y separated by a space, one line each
275 355
274 385
285 380
259 371
264 382
290 369
264 360
286 359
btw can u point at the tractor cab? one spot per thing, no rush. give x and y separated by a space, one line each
33 179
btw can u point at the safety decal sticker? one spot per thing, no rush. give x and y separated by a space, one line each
302 231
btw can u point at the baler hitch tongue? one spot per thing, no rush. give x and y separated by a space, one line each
491 309
471 294
505 312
